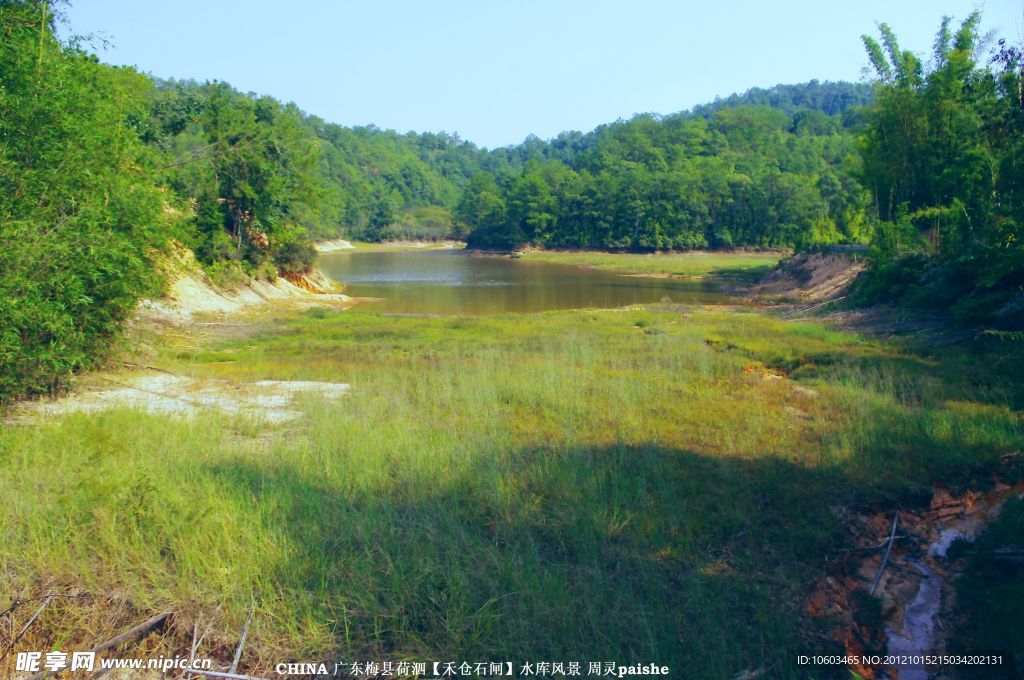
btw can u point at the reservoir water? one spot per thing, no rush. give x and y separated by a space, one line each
456 282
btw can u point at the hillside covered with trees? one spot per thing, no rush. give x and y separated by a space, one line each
101 166
262 179
748 176
595 446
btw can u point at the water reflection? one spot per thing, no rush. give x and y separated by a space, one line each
447 282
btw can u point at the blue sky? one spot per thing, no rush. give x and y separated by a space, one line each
495 72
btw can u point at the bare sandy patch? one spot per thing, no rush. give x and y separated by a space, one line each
436 245
272 400
333 246
191 292
814 277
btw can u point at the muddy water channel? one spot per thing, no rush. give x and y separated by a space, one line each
917 633
916 585
455 282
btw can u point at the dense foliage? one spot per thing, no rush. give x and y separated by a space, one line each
943 154
264 179
247 166
381 184
80 206
830 98
100 166
748 176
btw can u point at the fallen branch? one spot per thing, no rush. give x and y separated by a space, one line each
143 627
241 644
10 611
53 596
14 605
885 560
197 640
25 628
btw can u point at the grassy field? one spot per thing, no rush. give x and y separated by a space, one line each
641 485
697 264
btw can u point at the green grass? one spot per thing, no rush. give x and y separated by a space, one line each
746 266
609 485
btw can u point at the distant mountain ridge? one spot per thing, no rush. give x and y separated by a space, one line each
828 97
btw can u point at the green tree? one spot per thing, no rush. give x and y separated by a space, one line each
482 206
80 209
941 157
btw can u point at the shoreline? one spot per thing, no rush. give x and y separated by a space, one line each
191 292
332 246
343 245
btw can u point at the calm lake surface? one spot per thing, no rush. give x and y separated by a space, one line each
454 282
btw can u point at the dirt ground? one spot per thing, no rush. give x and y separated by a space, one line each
914 579
812 277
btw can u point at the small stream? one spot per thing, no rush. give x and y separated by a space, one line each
920 617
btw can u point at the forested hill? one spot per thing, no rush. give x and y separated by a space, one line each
251 169
245 158
831 98
101 166
799 101
744 176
